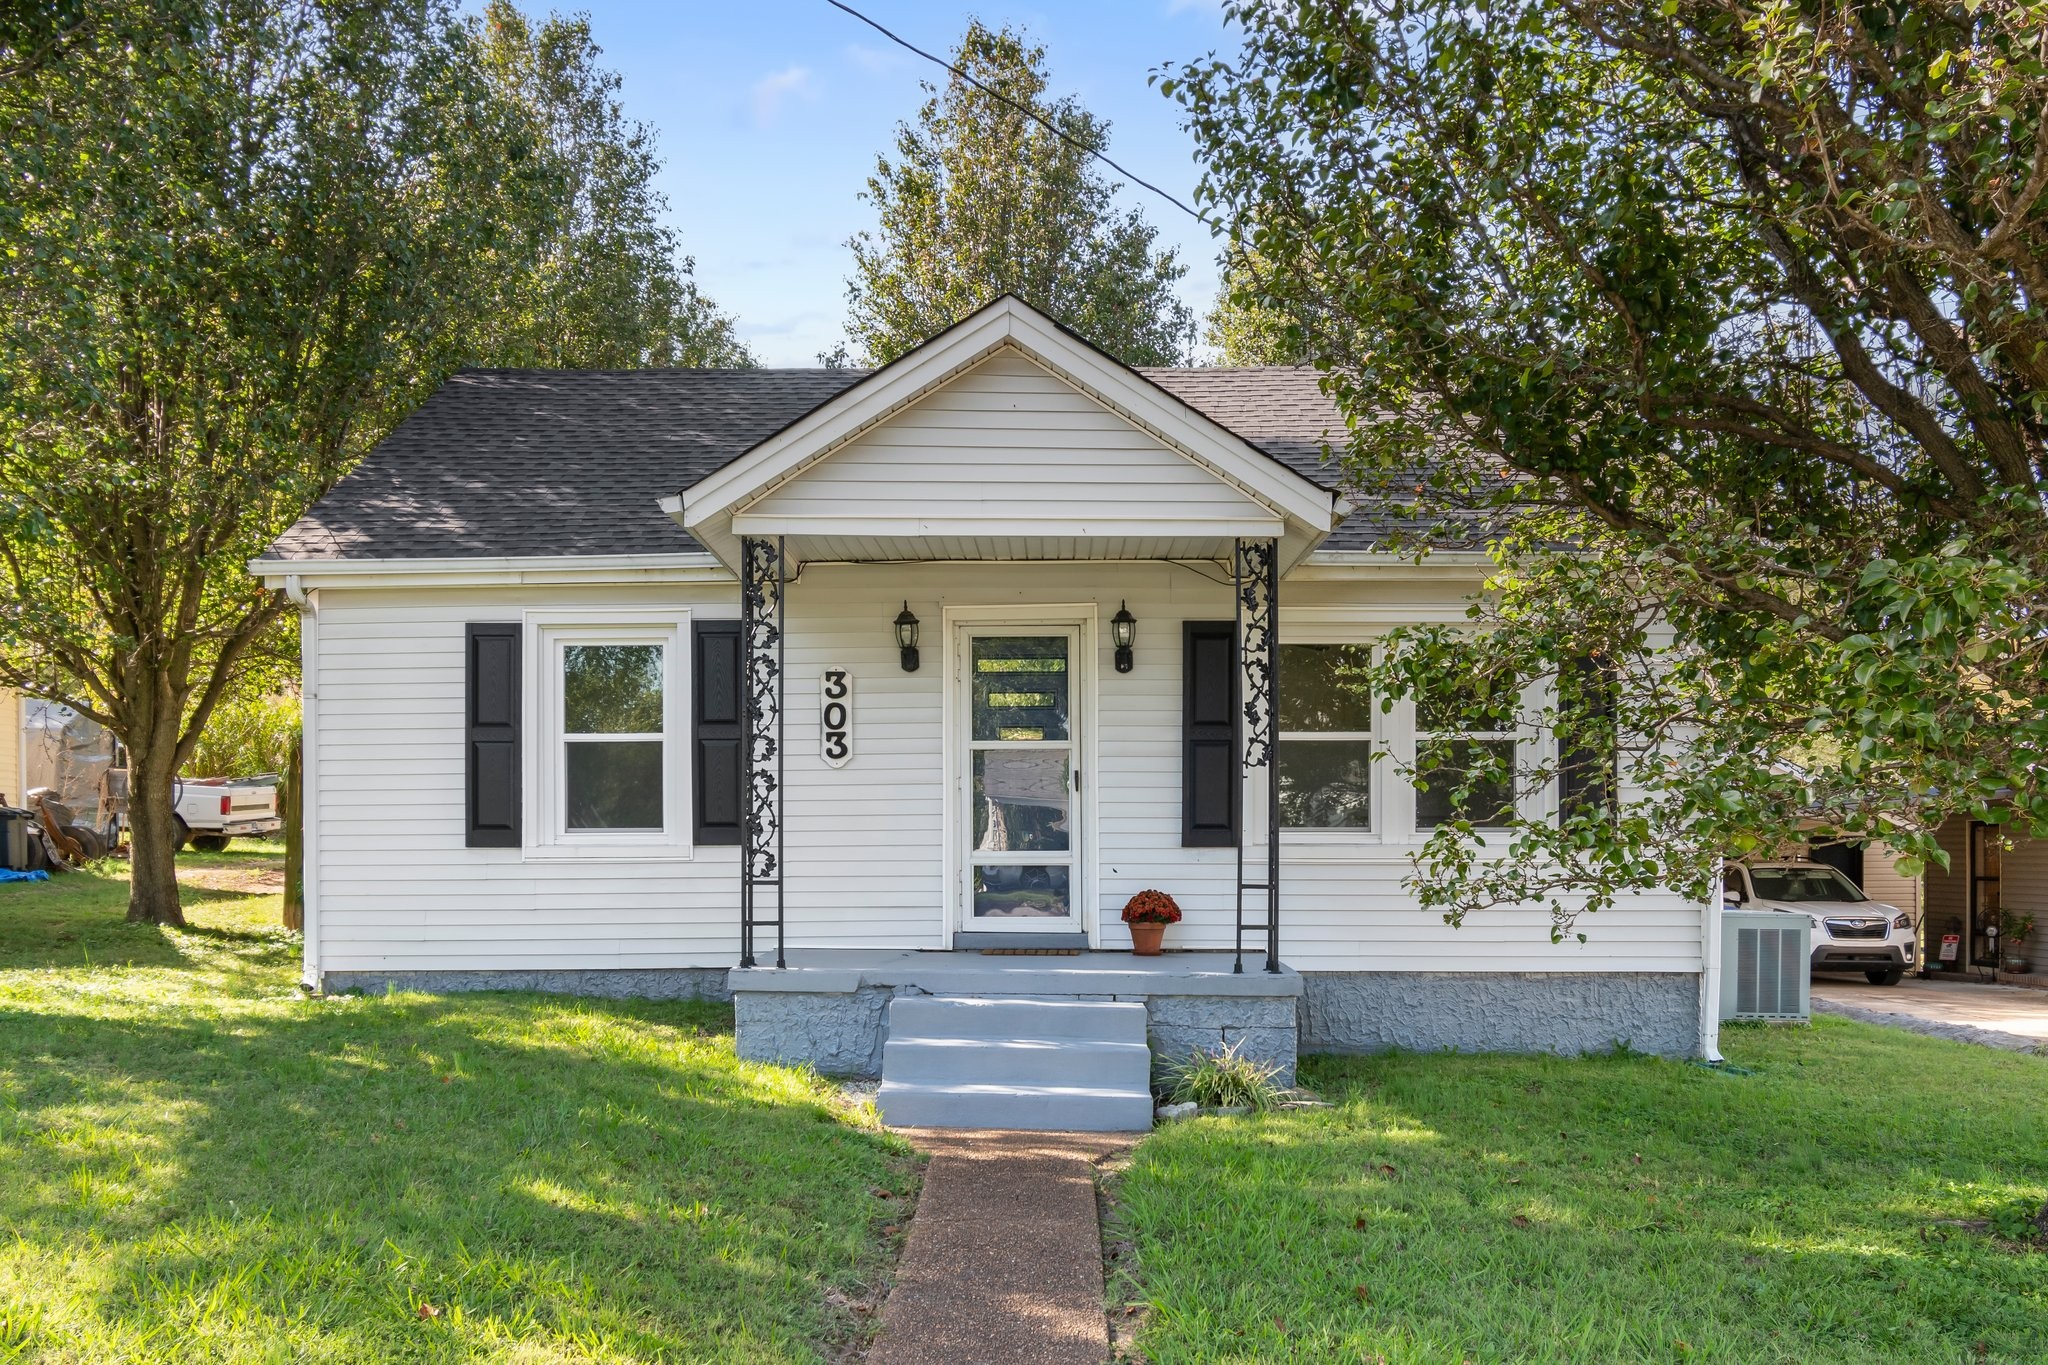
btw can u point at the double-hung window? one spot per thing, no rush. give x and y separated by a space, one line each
1326 737
610 719
1465 750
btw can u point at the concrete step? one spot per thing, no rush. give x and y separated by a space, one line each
1046 1108
958 1016
1018 1061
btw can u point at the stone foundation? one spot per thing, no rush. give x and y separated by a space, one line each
626 983
1561 1012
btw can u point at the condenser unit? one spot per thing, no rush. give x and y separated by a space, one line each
1765 958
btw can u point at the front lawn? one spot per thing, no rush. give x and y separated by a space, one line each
199 1163
1616 1208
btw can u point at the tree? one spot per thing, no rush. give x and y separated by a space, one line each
599 281
983 200
242 239
1725 320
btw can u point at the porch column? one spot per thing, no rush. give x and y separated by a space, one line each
764 580
1257 578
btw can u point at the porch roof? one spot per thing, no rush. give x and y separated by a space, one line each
1007 437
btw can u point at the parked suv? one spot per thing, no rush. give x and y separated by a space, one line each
1851 932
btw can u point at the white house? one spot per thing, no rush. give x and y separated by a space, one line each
605 692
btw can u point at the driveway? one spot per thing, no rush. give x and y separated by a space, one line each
2003 1016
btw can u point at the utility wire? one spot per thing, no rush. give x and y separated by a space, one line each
1027 111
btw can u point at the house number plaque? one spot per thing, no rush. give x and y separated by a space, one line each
835 716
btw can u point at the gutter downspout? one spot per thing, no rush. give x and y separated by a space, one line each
1710 970
309 771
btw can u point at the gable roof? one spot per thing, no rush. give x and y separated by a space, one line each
534 463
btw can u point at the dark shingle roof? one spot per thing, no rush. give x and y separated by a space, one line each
572 462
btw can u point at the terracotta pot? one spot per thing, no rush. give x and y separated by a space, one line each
1145 939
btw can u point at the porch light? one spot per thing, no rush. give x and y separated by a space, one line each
906 638
1123 631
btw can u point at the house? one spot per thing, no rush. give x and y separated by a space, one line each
13 777
824 688
1990 869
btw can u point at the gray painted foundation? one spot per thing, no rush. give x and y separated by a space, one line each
1561 1012
839 1032
625 983
836 1018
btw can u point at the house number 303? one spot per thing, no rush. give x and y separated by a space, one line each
835 716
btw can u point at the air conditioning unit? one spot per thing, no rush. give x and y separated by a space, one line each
1765 958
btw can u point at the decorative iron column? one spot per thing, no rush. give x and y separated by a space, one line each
1256 566
764 581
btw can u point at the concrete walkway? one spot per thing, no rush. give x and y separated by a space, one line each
2012 1017
1005 1256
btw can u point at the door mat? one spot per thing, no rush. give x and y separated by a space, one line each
1030 952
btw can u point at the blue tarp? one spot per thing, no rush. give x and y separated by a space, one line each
8 874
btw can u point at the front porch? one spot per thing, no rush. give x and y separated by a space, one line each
831 1007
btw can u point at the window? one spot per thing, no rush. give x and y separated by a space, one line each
1326 723
612 733
612 745
1464 751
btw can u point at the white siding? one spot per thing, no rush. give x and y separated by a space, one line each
866 864
1007 440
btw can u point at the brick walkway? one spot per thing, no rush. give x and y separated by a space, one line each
1004 1263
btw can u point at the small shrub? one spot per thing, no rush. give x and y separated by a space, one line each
1224 1079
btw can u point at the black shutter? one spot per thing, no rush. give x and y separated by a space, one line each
1588 761
492 760
1210 778
716 770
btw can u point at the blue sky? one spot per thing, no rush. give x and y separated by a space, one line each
770 116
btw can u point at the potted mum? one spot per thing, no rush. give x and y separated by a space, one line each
1148 913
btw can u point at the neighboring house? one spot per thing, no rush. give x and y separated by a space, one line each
543 714
12 775
1988 870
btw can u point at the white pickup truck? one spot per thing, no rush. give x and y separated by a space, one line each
213 810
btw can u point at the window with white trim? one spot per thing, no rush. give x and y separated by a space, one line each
1465 739
613 741
1326 737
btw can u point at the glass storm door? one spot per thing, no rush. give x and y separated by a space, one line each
1022 869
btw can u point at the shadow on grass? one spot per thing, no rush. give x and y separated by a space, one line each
432 1178
1606 1208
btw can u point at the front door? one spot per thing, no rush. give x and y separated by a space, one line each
1019 791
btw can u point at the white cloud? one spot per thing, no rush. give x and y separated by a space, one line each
777 88
875 61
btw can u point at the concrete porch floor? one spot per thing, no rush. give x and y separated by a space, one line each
970 972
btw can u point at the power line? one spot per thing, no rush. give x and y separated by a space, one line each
1026 110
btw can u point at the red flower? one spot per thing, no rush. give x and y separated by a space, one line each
1151 907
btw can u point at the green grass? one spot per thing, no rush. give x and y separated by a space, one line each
199 1163
1615 1208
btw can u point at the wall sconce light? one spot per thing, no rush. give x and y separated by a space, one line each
1123 630
906 638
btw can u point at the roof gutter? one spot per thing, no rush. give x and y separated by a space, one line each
485 570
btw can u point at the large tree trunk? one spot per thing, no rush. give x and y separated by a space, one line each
153 831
